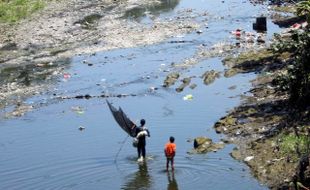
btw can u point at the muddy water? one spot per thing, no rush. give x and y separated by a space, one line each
46 150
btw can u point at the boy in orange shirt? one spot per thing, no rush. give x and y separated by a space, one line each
170 149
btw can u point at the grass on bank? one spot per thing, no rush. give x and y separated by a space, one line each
291 144
15 10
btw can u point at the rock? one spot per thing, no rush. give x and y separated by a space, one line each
205 145
171 79
231 72
218 146
224 122
201 140
210 76
185 83
236 154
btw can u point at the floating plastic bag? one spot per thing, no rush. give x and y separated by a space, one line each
188 97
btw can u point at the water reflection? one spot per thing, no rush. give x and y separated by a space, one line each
140 180
21 80
172 183
140 11
26 75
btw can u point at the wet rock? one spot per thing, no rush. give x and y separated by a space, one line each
171 79
236 154
185 82
205 145
210 76
193 86
225 122
231 72
199 141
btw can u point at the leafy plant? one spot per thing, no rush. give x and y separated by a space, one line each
296 81
291 143
303 9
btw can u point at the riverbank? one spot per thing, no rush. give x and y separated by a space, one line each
46 41
67 28
264 127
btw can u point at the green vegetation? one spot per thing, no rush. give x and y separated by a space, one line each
296 81
290 144
14 10
286 9
303 9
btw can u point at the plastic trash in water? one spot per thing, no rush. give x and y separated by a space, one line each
78 110
81 128
188 97
67 76
237 32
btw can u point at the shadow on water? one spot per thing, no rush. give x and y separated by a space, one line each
140 180
140 11
23 78
172 182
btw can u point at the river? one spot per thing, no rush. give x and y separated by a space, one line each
45 149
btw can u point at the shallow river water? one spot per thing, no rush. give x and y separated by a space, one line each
46 150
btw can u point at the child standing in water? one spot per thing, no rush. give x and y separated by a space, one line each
170 149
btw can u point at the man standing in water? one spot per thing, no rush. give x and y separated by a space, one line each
141 132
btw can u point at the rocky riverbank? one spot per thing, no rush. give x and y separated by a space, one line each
262 125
